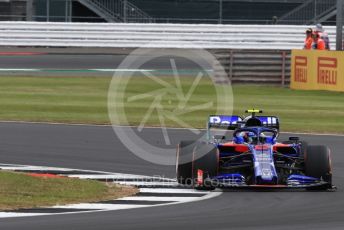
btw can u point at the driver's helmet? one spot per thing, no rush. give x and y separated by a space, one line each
248 137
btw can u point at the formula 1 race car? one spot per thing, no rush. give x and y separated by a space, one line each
253 158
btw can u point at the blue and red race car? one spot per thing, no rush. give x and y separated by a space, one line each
253 158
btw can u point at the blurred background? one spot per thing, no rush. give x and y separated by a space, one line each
296 12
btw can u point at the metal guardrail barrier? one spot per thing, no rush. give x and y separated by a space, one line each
259 54
131 35
255 66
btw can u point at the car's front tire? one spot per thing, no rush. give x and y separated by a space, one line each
318 163
205 165
303 149
184 159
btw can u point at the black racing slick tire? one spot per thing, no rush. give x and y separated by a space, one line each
184 161
205 166
304 146
318 163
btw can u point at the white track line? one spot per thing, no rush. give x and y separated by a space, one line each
26 70
14 214
149 127
81 70
123 203
167 190
34 168
101 206
118 176
159 198
85 176
9 214
144 183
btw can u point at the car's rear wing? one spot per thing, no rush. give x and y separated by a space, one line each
233 122
224 122
269 121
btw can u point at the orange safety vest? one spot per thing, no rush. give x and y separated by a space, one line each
308 43
324 36
321 44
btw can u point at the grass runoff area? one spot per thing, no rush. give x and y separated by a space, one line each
19 191
84 100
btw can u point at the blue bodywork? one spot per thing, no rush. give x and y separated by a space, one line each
259 162
264 167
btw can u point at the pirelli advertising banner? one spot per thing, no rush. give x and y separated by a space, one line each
317 70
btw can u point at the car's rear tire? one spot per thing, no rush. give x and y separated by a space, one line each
304 146
205 161
318 163
184 161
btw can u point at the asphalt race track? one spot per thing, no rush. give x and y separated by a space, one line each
82 61
97 148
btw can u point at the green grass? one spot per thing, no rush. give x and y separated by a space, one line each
22 191
75 100
84 100
307 111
